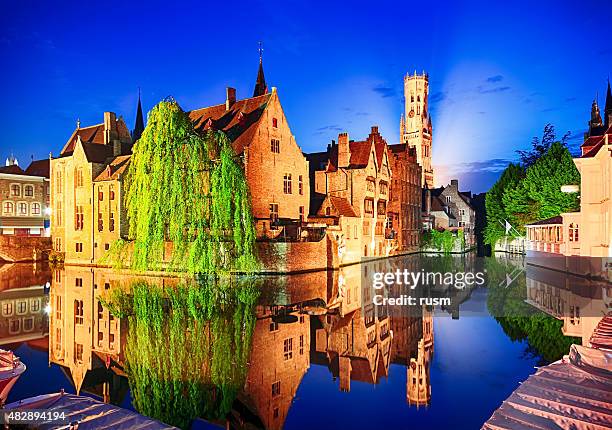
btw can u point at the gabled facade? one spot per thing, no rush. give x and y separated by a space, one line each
360 174
83 210
276 169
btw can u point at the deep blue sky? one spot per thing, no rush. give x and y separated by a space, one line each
498 73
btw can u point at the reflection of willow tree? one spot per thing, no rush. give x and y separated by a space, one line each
187 188
519 320
187 347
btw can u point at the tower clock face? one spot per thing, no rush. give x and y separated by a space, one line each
411 113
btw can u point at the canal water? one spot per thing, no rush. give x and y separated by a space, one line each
291 352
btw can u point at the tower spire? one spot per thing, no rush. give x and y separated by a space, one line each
608 106
260 84
139 124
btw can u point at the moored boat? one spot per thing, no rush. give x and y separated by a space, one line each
11 369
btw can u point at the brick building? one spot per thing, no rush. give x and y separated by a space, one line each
88 213
404 211
24 198
358 176
276 169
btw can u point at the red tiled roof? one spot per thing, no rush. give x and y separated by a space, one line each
343 206
593 144
38 168
360 154
94 134
12 169
115 168
239 122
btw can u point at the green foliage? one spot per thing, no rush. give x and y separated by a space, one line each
190 190
187 346
524 196
442 240
496 211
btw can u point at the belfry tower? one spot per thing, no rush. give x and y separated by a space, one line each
415 123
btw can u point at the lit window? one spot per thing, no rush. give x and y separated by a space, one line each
22 208
274 122
9 208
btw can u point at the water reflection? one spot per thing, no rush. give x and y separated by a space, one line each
237 354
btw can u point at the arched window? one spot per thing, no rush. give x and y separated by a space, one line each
28 191
35 208
571 232
15 190
22 208
9 208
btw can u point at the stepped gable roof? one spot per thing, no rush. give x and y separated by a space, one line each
549 221
115 168
38 168
239 122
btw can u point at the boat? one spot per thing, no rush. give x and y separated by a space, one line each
11 369
69 411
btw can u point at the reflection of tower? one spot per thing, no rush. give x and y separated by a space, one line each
428 335
415 126
419 389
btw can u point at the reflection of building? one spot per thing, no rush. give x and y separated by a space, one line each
351 187
85 339
578 302
280 356
23 304
415 127
24 198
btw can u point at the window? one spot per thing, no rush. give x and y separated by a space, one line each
287 183
100 311
327 211
78 218
111 192
111 221
58 244
79 246
22 307
301 213
275 146
35 208
100 222
381 208
384 188
14 326
274 122
7 309
58 307
58 183
22 208
28 191
368 206
300 185
301 344
273 212
276 389
100 194
58 213
78 177
28 324
78 352
370 185
448 199
78 282
288 349
9 208
275 412
78 311
273 326
15 190
35 305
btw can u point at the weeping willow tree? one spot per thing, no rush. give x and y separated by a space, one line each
189 189
187 347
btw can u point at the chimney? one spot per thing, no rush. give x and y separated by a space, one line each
374 129
427 201
110 123
230 97
116 148
344 150
455 183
